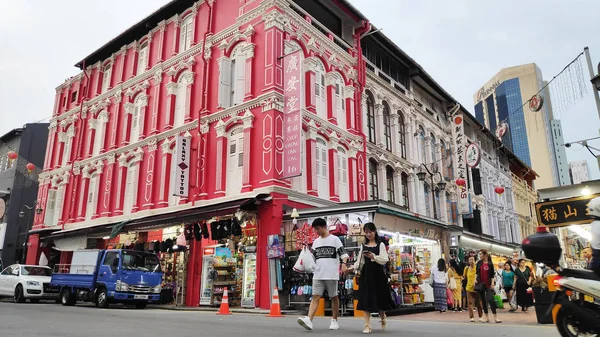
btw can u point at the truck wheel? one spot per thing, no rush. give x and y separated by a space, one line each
19 297
141 305
101 298
67 298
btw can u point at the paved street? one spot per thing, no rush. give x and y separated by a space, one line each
33 320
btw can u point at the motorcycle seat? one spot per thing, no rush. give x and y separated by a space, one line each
580 273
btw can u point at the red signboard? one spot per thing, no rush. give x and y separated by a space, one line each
292 153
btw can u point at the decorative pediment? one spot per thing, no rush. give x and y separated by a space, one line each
100 105
93 169
133 90
131 157
183 64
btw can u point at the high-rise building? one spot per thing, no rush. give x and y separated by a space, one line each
579 171
501 100
560 154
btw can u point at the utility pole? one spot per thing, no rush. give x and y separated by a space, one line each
586 51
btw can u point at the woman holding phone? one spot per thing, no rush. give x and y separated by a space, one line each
373 288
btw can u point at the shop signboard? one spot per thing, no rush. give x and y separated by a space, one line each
181 167
292 132
564 212
460 163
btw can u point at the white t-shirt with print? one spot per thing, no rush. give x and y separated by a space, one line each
328 251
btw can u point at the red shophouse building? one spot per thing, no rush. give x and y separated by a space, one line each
212 72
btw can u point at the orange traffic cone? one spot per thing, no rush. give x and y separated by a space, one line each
224 309
275 307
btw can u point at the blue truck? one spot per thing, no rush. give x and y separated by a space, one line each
109 276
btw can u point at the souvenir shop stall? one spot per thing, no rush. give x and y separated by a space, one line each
296 288
573 240
229 261
471 244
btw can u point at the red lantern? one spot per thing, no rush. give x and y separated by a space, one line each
499 190
30 167
461 182
12 155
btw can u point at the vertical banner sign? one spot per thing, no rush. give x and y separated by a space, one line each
292 127
458 138
180 178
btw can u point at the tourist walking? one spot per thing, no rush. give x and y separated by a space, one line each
524 278
439 277
373 289
455 274
508 283
470 274
485 285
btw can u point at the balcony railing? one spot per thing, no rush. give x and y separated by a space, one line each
328 34
379 73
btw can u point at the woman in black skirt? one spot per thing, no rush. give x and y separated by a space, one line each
373 289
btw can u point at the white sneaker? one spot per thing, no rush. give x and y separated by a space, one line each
334 325
305 322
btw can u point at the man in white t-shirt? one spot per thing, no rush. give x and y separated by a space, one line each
328 250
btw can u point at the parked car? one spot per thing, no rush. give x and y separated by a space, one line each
24 282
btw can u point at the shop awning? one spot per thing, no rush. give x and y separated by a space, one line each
44 230
70 244
376 206
475 241
197 213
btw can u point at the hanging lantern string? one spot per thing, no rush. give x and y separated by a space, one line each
20 164
542 89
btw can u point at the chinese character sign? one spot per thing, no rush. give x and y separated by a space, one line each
460 163
564 212
292 133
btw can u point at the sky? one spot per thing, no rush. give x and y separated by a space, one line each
460 43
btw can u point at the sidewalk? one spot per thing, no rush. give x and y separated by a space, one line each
214 309
510 318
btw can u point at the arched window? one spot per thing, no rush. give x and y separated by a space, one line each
232 78
427 193
142 58
340 103
180 101
371 118
130 188
401 135
185 34
92 200
389 182
235 161
373 182
322 169
320 93
433 149
343 175
421 140
106 77
405 198
136 120
387 127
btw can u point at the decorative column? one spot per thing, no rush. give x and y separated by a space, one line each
311 162
274 49
413 143
349 92
247 119
382 181
161 41
171 97
142 114
114 124
379 133
249 51
105 186
395 129
126 126
119 190
443 211
176 29
398 187
194 24
352 175
221 149
330 81
188 81
84 191
413 194
50 146
334 178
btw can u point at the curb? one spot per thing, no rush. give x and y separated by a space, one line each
233 310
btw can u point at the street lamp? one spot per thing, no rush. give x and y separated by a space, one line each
38 211
441 185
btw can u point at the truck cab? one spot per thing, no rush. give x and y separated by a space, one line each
110 276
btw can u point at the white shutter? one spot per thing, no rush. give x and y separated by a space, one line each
135 123
341 107
58 205
130 185
180 101
91 202
240 83
50 206
240 151
98 140
106 78
224 83
189 31
182 36
343 176
142 59
67 151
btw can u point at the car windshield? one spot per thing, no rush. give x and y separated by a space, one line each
36 271
140 261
